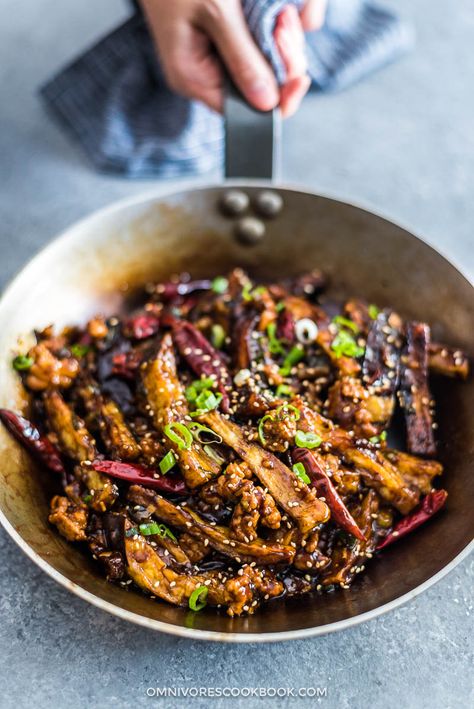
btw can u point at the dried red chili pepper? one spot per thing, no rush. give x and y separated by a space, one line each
125 364
168 291
141 326
201 356
31 439
286 326
324 487
140 475
430 504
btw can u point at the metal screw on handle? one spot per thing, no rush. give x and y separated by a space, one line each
252 139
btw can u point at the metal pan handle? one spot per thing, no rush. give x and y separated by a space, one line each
252 139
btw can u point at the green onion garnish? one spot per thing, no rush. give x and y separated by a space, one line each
280 306
150 528
87 499
373 311
274 344
286 409
307 440
383 436
22 362
209 449
300 471
167 462
217 336
345 345
378 439
131 532
206 401
283 390
179 434
345 322
79 350
267 417
197 386
197 600
294 356
247 292
203 434
220 284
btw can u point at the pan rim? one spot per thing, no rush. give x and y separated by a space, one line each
142 198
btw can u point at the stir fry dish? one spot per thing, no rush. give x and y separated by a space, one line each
225 444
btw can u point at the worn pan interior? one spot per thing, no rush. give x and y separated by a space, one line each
98 261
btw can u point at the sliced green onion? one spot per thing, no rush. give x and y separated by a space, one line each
284 409
274 344
247 292
383 436
283 390
87 499
294 356
378 439
280 306
203 434
179 434
150 528
212 453
197 600
164 531
345 345
167 462
131 532
261 424
198 385
373 311
79 350
345 322
217 336
220 284
307 440
300 471
22 362
206 401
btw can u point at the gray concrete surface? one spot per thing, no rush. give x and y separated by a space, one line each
402 143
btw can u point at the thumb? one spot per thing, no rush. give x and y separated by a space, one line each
244 61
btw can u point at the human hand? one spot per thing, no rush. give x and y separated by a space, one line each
193 36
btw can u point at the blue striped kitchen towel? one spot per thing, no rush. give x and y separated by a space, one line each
115 102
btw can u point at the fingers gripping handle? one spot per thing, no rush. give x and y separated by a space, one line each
252 139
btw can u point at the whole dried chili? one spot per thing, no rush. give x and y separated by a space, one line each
169 291
324 487
141 326
140 475
286 326
31 439
204 360
430 504
126 364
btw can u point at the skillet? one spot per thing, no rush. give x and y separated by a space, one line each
96 264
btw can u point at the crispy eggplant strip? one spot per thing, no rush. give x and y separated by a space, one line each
417 472
167 403
294 496
381 364
414 395
448 361
376 471
240 593
219 537
347 560
116 433
76 442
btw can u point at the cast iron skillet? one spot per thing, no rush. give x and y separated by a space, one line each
91 266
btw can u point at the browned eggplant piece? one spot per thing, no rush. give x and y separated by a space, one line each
417 472
73 437
105 534
448 361
354 407
414 394
295 497
381 364
167 404
76 442
348 557
219 538
240 593
116 433
244 346
376 470
70 519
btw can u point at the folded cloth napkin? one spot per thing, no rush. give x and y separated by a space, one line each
115 102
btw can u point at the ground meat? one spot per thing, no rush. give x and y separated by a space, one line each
50 371
70 519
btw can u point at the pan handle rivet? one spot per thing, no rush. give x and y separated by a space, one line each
268 203
234 202
249 230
